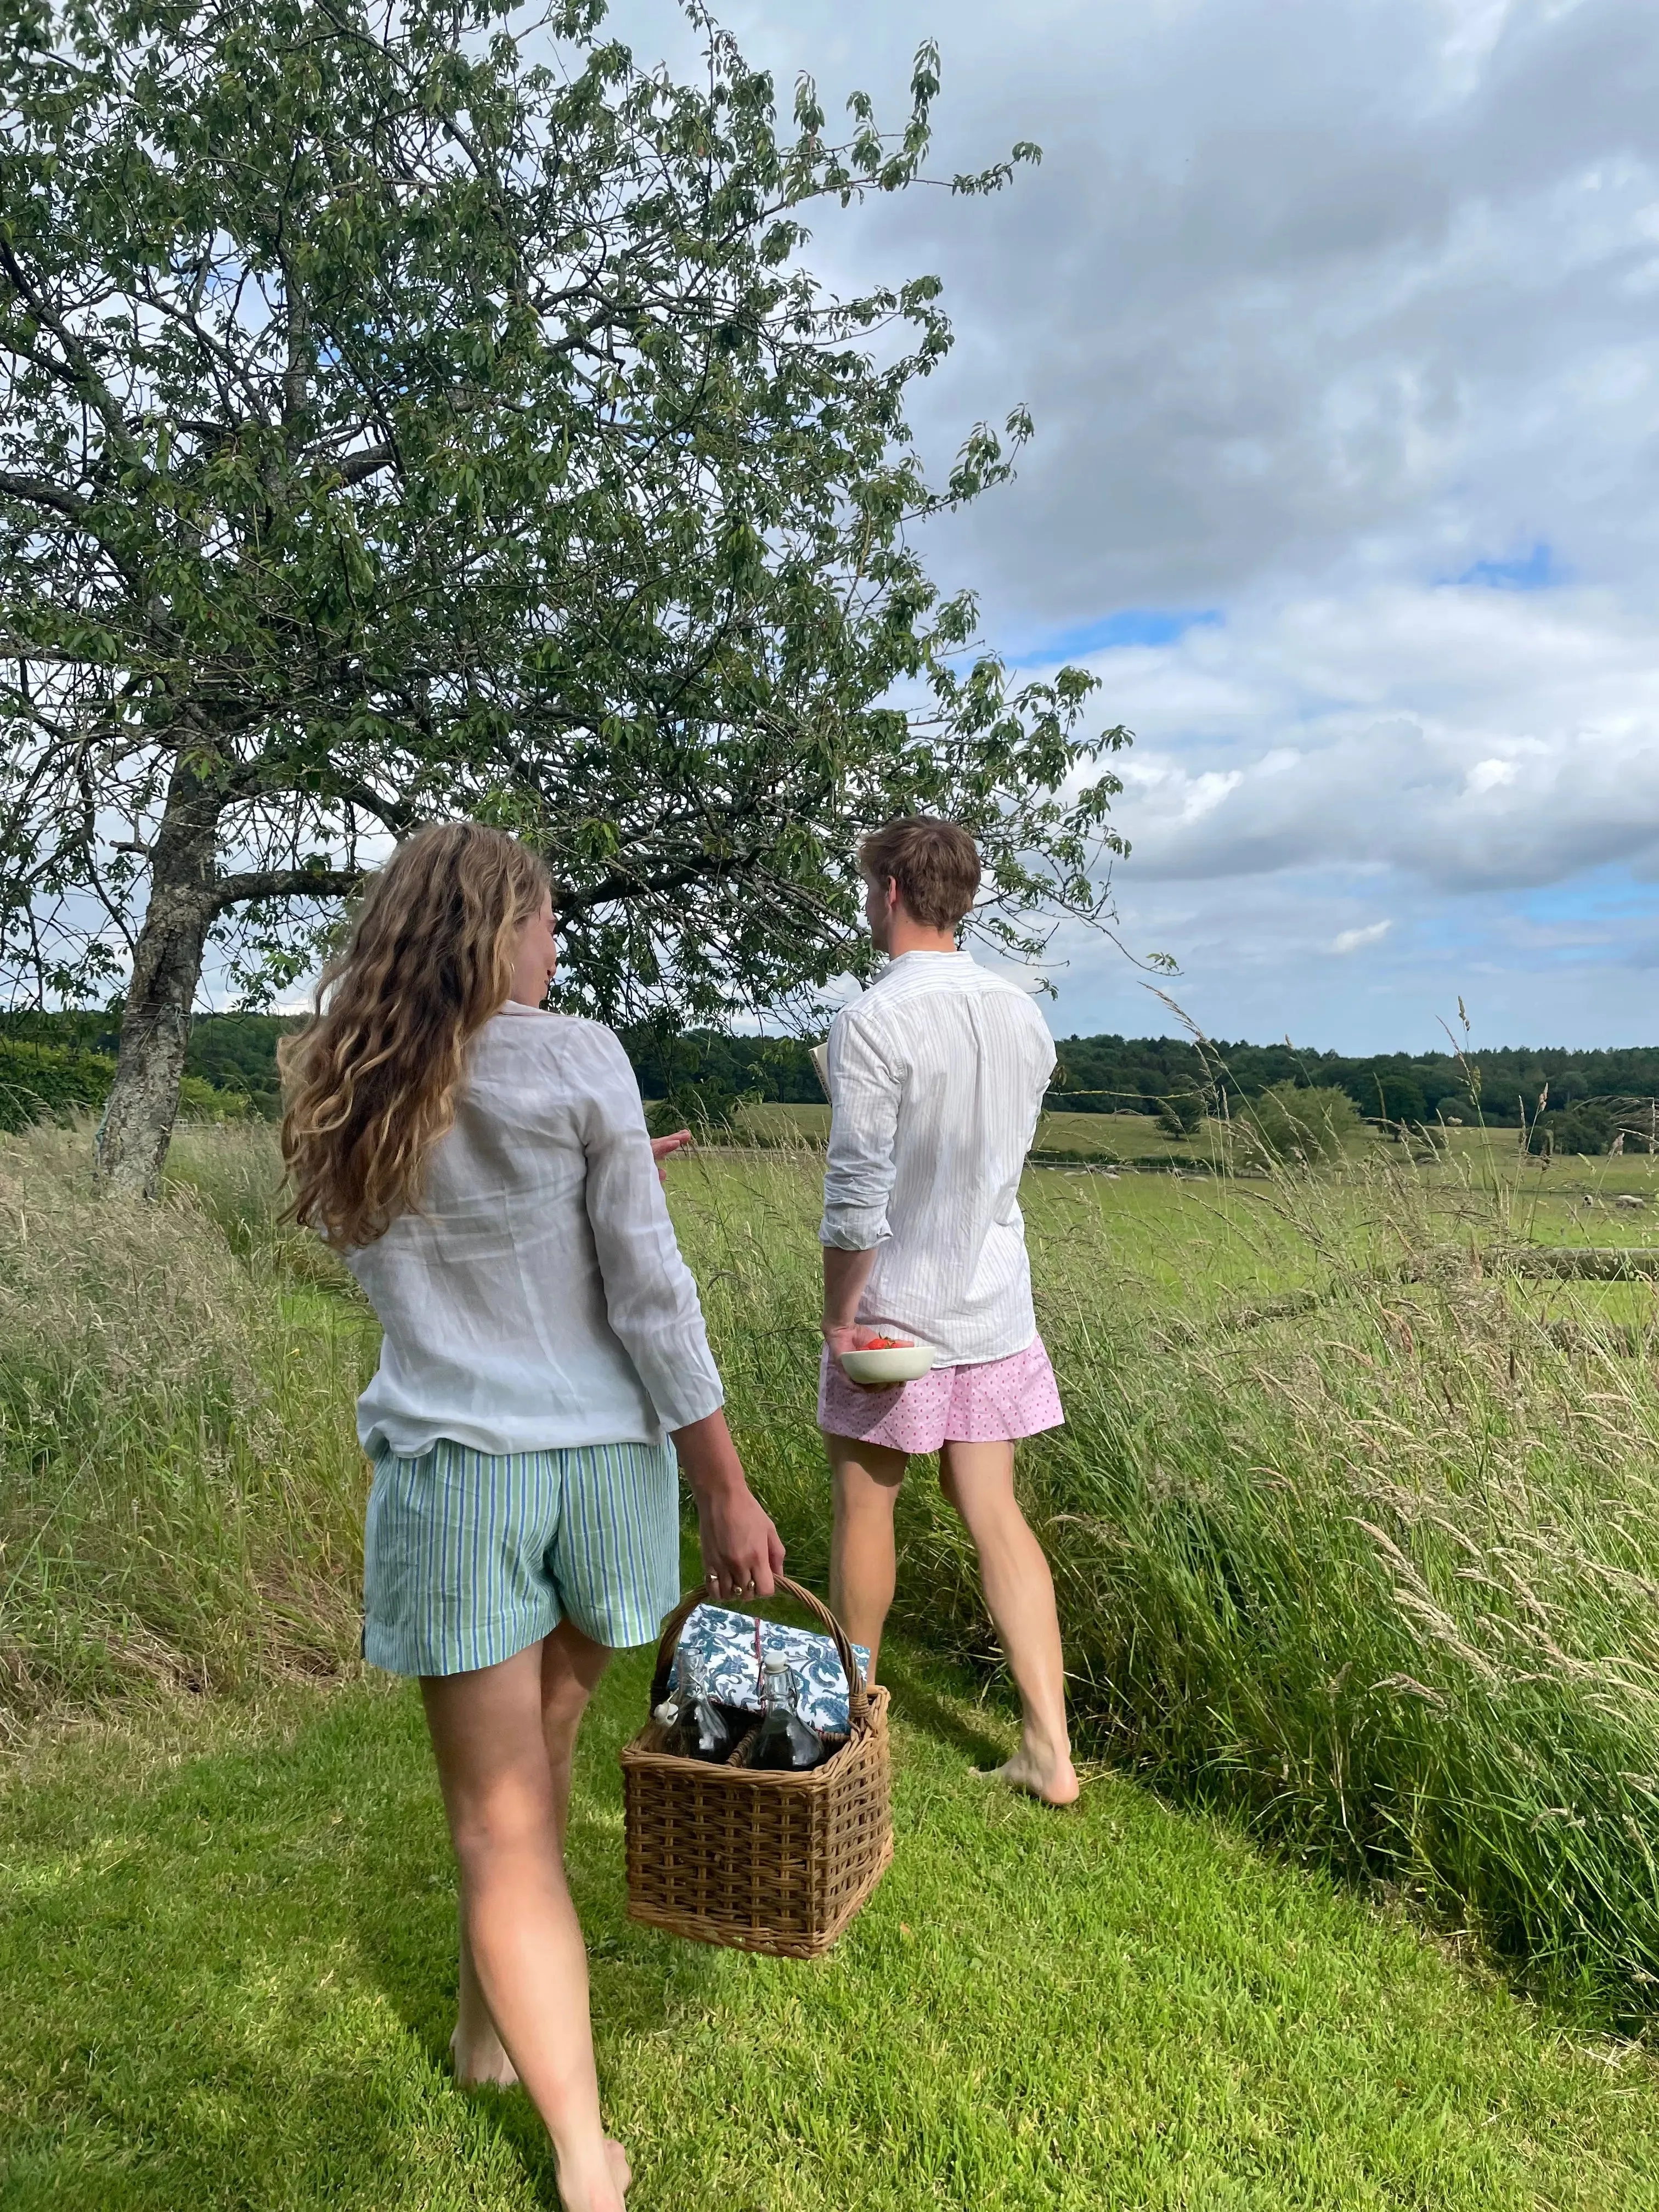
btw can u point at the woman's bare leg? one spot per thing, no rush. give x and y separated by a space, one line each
476 2052
863 1566
521 1928
572 1664
1019 1595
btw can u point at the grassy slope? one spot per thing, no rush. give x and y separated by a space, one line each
229 1960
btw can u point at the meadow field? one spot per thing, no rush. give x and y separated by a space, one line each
1354 1528
1105 1137
1353 1516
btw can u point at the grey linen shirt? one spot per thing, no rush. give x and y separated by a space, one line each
937 1077
537 1299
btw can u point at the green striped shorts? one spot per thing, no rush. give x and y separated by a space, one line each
469 1558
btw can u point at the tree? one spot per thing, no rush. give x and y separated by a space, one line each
427 411
1587 1125
1299 1123
1180 1113
706 1109
1394 1097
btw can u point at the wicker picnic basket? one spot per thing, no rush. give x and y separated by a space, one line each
766 1862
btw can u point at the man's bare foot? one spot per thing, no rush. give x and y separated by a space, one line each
1052 1781
603 2192
481 2062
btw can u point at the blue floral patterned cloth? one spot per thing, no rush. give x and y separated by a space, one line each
726 1642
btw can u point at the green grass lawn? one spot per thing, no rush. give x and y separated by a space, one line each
1567 1181
227 1918
1116 1136
1123 1136
227 1939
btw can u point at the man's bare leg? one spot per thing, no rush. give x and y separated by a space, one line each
572 1664
863 1565
1019 1595
531 1969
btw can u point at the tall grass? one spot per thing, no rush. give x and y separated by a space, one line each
180 1489
1355 1529
1379 1571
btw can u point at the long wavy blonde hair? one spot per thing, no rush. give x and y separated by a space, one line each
369 1083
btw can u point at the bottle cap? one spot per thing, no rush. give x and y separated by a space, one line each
776 1661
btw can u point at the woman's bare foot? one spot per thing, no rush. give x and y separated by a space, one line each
599 2192
1052 1781
481 2062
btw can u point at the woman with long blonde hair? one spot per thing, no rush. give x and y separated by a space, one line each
483 1169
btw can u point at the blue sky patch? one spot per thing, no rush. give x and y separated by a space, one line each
1535 573
1129 626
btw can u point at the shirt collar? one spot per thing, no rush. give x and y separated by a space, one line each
518 1007
921 959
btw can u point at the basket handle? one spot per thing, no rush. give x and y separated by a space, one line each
858 1698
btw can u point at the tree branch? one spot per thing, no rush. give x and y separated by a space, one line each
356 467
163 303
284 884
394 814
38 492
616 886
76 366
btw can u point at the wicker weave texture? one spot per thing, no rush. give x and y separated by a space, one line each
764 1861
776 1862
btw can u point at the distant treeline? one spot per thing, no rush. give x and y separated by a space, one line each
777 1070
1135 1075
235 1054
1587 1096
1143 1075
66 1060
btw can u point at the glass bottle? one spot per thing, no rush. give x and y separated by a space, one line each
786 1743
699 1728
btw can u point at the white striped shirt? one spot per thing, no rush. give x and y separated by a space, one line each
538 1300
937 1076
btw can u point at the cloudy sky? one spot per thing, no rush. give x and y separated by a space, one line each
1337 319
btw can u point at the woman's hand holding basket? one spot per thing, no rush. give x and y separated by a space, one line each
742 1552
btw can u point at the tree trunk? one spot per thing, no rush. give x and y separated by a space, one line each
143 1101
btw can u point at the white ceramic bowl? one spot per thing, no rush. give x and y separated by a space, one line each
903 1364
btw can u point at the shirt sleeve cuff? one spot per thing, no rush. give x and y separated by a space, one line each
851 1230
687 1388
692 1401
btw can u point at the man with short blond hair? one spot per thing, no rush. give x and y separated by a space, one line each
936 1078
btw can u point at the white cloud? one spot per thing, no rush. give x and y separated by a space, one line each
1489 776
1350 940
1467 738
1318 304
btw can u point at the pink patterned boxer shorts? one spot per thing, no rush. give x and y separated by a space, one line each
993 1401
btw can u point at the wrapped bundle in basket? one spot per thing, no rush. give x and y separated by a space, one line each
764 1860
